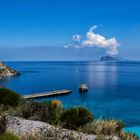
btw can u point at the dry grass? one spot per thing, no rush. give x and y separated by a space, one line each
104 127
128 136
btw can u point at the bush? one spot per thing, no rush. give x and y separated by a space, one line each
3 123
75 118
128 136
2 108
8 136
9 97
57 103
49 112
104 127
32 110
53 112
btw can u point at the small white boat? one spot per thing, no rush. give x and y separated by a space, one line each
83 88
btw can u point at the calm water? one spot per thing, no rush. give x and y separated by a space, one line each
114 87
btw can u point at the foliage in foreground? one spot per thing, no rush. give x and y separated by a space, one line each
3 123
8 136
128 136
103 128
49 112
9 97
53 112
77 117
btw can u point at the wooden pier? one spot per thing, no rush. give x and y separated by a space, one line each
47 94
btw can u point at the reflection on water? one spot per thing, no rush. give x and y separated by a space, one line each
101 75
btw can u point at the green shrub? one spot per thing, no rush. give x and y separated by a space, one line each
49 112
32 110
3 123
104 127
9 97
2 108
8 136
75 118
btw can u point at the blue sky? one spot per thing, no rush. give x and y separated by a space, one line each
39 29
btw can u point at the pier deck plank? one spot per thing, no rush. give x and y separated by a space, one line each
47 94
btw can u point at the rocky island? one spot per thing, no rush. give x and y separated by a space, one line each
6 71
109 58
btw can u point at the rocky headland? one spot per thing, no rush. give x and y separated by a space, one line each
6 71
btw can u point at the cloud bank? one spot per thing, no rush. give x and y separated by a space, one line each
96 40
99 41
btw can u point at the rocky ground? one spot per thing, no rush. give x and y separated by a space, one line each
38 129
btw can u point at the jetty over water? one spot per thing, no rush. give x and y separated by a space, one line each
47 94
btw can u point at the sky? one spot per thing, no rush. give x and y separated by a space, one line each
69 29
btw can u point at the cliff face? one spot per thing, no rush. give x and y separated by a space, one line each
6 71
109 58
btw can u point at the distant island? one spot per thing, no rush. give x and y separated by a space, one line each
6 71
109 58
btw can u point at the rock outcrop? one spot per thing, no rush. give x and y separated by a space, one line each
37 129
6 71
24 128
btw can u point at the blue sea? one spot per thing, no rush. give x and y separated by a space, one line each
114 87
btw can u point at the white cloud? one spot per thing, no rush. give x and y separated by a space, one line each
76 38
66 47
95 40
93 28
99 41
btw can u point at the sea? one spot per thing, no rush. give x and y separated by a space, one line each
114 87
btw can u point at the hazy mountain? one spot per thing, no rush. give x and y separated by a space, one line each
109 58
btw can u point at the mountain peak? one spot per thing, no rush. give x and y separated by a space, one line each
109 58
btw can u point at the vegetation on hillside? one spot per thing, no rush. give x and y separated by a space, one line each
8 136
9 98
53 112
75 118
